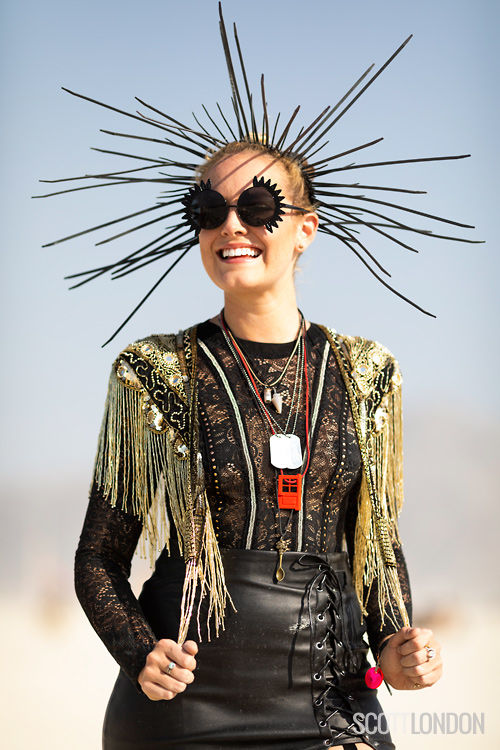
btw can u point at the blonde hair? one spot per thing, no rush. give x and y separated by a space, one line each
299 185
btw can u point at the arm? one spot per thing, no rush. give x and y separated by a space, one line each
403 654
126 497
102 568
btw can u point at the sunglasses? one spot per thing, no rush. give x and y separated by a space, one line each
259 206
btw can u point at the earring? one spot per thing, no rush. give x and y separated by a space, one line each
300 247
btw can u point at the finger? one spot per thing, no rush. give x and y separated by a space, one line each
422 671
397 639
415 640
174 683
421 657
190 647
423 681
414 659
172 651
156 692
166 673
178 674
403 635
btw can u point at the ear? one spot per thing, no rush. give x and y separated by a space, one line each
306 231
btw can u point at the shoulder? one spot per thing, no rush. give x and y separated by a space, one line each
365 362
152 371
154 363
154 345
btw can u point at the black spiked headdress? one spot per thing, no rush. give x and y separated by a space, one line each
343 215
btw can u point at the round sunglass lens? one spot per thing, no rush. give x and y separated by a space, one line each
208 209
256 206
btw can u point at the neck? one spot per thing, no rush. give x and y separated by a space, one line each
274 322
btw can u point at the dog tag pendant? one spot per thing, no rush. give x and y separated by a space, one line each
286 451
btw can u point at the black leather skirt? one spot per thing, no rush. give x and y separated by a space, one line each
287 673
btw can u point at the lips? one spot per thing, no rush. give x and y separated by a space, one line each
239 252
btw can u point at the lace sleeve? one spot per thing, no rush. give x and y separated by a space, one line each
102 568
378 627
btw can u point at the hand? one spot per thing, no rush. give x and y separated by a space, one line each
405 661
154 680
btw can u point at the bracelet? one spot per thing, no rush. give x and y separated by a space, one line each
383 643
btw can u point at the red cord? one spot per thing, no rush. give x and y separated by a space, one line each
223 323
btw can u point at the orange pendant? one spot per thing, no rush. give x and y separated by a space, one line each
289 491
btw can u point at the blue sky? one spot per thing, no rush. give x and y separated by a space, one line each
439 97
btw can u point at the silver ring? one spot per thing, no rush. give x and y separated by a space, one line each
431 653
170 667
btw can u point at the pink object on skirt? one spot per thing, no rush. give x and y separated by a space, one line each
374 677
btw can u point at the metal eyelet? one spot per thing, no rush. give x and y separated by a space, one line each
322 723
320 618
320 645
318 702
328 742
350 698
340 644
317 677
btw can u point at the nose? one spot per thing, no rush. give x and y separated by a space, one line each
233 224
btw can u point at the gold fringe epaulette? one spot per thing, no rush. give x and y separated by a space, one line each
148 455
373 381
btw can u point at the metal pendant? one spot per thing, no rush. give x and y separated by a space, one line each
277 402
268 395
286 451
281 547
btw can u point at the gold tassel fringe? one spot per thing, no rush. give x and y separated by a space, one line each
130 470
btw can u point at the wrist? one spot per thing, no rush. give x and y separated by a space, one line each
383 643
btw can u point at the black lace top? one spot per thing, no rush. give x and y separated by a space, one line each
241 485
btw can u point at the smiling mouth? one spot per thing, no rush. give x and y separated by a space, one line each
239 252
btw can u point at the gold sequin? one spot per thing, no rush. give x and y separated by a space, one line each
128 377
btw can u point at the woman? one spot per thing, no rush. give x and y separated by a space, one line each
260 454
201 418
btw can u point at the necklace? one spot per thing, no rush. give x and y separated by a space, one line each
269 394
289 497
285 448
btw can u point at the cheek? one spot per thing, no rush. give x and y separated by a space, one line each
205 243
205 252
286 242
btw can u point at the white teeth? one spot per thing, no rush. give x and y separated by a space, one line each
239 251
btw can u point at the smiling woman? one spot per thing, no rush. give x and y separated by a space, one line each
248 261
248 430
261 455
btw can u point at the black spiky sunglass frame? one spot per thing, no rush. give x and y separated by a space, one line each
342 214
261 205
